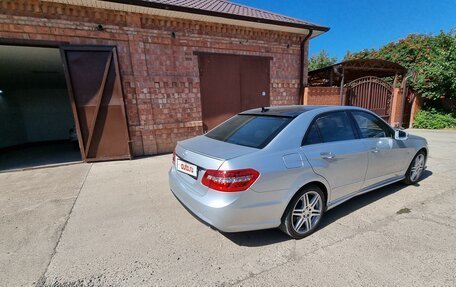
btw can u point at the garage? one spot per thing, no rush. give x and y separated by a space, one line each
36 121
139 76
60 105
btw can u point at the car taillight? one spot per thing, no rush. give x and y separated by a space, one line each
174 157
230 180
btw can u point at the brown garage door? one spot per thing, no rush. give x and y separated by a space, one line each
95 90
255 82
231 84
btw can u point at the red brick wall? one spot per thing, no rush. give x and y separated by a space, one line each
396 107
416 107
160 73
322 96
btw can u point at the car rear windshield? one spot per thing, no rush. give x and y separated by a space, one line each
249 130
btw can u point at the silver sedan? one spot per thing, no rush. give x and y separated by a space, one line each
286 166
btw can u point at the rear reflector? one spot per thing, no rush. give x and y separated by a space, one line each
230 180
174 157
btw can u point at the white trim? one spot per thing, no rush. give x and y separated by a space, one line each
184 15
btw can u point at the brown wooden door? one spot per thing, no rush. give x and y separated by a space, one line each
95 90
231 84
255 82
220 88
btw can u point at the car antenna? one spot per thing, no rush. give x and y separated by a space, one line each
263 109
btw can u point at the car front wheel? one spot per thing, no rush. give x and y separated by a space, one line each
304 212
415 169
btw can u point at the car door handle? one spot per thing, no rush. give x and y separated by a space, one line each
327 155
374 150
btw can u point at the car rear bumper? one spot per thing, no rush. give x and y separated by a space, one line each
230 211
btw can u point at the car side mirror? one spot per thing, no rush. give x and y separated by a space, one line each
400 135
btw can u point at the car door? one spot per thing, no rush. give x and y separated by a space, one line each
334 152
386 155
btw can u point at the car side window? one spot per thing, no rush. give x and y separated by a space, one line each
370 126
330 127
313 135
335 126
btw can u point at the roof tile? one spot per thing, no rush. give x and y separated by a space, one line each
227 7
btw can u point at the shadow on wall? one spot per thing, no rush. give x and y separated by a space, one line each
272 236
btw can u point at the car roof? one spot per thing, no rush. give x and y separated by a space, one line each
293 111
281 111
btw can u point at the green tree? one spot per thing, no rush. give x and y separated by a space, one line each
431 57
321 60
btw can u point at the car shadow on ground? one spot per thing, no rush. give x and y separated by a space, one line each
272 236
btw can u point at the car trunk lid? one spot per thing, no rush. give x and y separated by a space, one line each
206 153
215 149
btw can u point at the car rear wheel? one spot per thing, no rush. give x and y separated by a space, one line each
304 212
415 169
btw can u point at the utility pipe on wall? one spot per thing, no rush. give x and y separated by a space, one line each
302 73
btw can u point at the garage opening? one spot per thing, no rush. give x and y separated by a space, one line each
36 120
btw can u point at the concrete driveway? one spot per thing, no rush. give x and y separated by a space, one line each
117 224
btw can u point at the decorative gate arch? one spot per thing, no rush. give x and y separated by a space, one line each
371 93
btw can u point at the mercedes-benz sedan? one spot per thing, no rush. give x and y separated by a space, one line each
285 166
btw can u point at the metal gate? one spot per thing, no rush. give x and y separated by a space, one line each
95 90
371 93
231 84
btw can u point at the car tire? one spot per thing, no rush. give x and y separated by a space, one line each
305 208
415 168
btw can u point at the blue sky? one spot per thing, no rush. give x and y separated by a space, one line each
360 24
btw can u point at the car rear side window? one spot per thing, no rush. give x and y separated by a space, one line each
249 130
313 135
330 127
335 127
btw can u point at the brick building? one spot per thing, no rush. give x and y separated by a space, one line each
139 75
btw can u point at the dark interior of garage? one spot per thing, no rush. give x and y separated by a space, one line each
36 119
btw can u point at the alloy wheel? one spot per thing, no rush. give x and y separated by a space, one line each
307 212
417 168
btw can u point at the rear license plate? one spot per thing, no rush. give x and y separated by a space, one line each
187 168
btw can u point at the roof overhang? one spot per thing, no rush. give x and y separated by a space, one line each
355 69
157 9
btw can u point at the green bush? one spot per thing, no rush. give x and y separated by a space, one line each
433 119
431 57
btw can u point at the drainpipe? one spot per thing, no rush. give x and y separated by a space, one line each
302 85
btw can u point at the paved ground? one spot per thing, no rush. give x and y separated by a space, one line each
117 224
